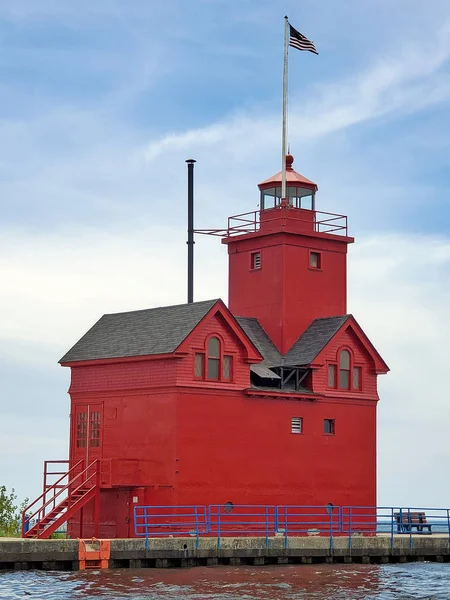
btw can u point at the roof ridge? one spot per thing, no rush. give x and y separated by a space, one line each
326 318
248 318
141 310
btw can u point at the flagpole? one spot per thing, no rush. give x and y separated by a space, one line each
283 136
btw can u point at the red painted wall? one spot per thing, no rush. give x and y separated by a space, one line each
240 449
285 294
137 401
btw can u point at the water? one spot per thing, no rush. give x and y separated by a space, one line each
427 581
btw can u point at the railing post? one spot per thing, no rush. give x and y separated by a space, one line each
331 528
267 526
218 527
410 529
392 527
97 500
196 527
350 516
286 541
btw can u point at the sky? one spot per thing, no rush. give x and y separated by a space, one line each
100 105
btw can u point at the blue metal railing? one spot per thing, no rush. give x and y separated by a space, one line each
162 521
288 521
310 520
242 519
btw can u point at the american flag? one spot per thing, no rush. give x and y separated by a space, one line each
299 41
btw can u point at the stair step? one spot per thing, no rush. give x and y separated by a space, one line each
68 506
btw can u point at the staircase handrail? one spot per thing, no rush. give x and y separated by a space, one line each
27 518
52 486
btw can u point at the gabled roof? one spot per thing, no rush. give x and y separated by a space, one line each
313 340
139 333
311 343
262 342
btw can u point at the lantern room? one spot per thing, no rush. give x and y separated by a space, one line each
300 191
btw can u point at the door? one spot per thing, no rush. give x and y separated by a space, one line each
87 432
124 513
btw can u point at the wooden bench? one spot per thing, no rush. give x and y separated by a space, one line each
407 520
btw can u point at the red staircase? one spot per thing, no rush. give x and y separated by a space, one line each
61 499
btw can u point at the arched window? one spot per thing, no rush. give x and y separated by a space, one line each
213 358
212 363
344 369
344 374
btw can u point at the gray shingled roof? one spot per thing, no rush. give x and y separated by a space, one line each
139 333
313 340
260 339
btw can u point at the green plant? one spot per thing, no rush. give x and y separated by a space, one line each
10 513
58 535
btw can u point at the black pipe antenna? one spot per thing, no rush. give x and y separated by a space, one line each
190 242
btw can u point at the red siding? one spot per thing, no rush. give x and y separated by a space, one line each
361 357
216 325
134 429
286 295
124 376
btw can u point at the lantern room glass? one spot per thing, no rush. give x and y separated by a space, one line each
298 197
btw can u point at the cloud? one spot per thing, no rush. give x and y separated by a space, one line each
408 83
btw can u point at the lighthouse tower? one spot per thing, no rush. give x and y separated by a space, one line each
292 269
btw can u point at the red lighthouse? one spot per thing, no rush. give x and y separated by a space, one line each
269 401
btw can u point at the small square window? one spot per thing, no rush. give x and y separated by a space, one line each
297 425
329 426
255 260
315 260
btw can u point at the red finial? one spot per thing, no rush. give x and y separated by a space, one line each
289 161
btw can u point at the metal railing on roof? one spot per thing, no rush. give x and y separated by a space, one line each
250 222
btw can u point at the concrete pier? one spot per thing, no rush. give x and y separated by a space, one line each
24 554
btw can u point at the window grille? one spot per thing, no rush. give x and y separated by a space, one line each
227 362
256 260
297 425
199 364
81 430
357 378
94 433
